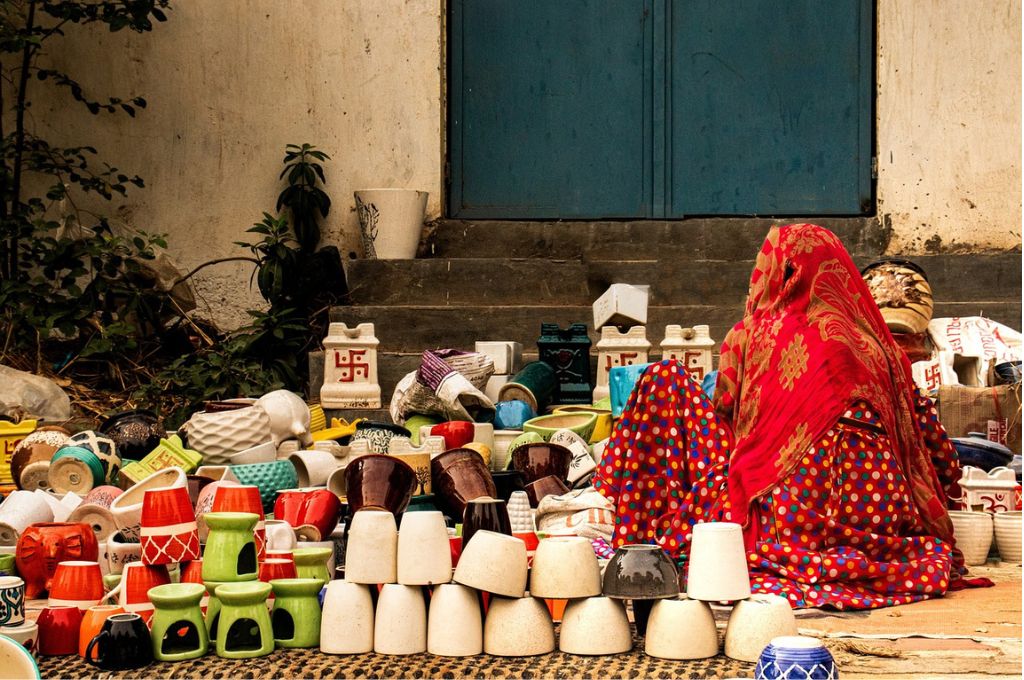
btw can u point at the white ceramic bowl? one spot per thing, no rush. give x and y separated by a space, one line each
680 629
371 555
495 563
261 453
1008 535
718 563
518 627
400 626
15 660
454 624
565 567
973 534
754 622
595 626
424 551
347 621
219 435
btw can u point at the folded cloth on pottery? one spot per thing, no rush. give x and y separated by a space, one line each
583 512
449 384
964 351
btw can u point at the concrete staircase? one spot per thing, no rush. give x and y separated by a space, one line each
498 280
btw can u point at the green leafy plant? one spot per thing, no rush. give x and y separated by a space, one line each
303 198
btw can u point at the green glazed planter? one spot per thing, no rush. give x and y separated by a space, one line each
296 615
212 611
230 554
243 629
581 423
312 563
7 566
269 477
179 632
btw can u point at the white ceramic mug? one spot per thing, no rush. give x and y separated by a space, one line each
18 511
280 535
313 467
424 552
454 624
120 552
12 601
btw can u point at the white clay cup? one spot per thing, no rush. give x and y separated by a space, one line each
371 555
495 563
681 629
313 467
518 627
400 626
753 624
347 620
565 567
454 624
424 551
717 570
595 626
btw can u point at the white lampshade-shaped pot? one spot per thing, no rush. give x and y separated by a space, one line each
754 622
390 222
718 563
973 534
347 622
400 626
372 553
424 552
680 629
595 626
1008 535
565 568
454 625
518 627
495 563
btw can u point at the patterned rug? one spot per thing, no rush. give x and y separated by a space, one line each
310 663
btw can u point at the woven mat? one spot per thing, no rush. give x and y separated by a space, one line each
310 663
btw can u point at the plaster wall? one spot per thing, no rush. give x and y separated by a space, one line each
948 123
230 82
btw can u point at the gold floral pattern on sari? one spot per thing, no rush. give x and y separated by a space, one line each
793 362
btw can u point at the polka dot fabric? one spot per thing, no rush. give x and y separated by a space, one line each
840 530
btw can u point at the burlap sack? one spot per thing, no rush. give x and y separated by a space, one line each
994 411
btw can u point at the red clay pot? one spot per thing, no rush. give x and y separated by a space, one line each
43 546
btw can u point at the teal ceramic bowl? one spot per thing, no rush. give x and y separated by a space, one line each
269 477
581 423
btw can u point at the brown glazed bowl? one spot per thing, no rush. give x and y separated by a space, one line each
640 572
379 482
545 486
459 476
542 459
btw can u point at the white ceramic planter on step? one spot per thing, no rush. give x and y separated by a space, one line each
1008 536
390 222
973 534
454 624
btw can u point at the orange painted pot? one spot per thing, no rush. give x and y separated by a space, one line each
77 583
92 623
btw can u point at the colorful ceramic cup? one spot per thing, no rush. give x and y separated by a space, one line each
43 546
271 569
92 624
376 482
295 618
796 657
456 433
313 513
486 514
127 508
77 583
58 630
602 425
168 529
179 632
119 552
244 498
36 448
12 601
122 644
132 592
269 477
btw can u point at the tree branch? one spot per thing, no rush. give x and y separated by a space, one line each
204 265
19 134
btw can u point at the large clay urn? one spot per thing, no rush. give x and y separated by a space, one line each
43 546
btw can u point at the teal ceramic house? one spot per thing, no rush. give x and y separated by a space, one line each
568 352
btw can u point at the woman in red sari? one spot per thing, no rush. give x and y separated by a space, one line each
818 443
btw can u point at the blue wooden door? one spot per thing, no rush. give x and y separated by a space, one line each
659 108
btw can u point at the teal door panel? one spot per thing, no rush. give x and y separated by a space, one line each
770 107
549 108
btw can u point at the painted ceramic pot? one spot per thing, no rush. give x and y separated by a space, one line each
127 508
456 433
603 424
118 552
640 572
135 432
92 624
269 477
903 294
178 630
78 583
796 657
37 447
313 513
220 434
12 601
535 384
582 424
540 460
243 629
230 548
274 568
545 486
379 482
378 435
244 498
43 546
168 527
132 591
104 448
459 476
510 415
75 469
295 618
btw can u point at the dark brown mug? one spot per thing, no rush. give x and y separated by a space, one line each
542 459
379 482
485 514
545 486
459 476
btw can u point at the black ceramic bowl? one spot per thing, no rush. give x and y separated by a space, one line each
640 572
981 453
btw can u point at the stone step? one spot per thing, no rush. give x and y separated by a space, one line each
471 282
693 238
411 329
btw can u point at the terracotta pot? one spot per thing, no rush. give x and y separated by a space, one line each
43 546
168 527
545 486
244 498
37 447
378 482
459 476
135 432
542 460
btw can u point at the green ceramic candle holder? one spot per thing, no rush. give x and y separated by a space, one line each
212 610
179 632
296 614
312 563
243 629
230 554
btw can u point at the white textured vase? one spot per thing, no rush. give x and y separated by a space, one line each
390 222
518 627
219 435
400 626
371 556
454 624
1008 536
424 551
347 622
595 626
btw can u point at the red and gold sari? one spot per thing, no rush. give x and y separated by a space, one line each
818 443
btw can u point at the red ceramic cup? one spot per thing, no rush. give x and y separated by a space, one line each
192 572
288 505
78 584
168 527
456 433
243 498
313 512
277 568
132 592
58 630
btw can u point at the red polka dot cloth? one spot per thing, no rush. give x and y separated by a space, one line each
839 531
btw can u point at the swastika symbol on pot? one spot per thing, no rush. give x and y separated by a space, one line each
352 365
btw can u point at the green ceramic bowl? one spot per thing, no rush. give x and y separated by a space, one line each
269 477
580 423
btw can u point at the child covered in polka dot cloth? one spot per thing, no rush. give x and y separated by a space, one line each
818 444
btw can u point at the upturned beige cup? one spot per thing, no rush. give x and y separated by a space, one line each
495 563
400 626
518 627
347 621
454 625
680 629
313 467
18 511
754 622
372 553
595 626
565 567
424 551
717 570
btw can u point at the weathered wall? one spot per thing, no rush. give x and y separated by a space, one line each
949 141
229 83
